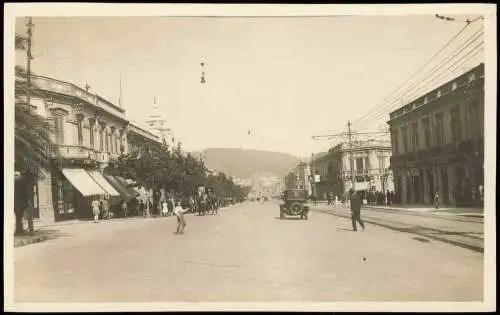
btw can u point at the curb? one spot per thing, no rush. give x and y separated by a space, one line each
475 248
29 241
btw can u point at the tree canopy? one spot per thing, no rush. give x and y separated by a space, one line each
177 173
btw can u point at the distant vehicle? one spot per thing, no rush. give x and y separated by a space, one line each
266 198
294 201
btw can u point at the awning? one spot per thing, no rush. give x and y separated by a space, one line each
129 189
119 187
82 181
96 176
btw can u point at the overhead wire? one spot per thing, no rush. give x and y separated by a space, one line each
466 44
452 39
376 117
460 49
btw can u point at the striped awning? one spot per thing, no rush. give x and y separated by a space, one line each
82 181
119 187
124 183
96 176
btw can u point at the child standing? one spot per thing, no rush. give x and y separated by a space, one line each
164 208
179 213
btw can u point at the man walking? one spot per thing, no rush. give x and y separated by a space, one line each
355 210
179 213
105 208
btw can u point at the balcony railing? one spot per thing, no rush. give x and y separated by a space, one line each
74 152
70 89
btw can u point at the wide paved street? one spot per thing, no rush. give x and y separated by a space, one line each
245 254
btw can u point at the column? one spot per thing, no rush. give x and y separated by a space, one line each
452 182
426 188
404 188
125 140
46 209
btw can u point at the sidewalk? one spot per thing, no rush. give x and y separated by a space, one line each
47 231
446 210
476 212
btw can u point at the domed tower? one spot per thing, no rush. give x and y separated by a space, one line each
158 125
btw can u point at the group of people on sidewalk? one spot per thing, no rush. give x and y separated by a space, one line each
100 209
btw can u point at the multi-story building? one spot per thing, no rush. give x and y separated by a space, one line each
89 131
438 142
370 163
299 178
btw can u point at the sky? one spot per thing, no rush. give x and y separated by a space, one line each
284 79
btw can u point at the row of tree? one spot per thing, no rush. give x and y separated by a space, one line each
177 173
153 167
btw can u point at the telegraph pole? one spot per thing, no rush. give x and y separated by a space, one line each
351 162
29 57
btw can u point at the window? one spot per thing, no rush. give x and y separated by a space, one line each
60 129
381 162
414 136
456 128
438 129
91 129
359 164
79 127
404 132
427 132
474 120
472 77
395 142
101 140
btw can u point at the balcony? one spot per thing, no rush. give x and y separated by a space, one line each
66 88
74 152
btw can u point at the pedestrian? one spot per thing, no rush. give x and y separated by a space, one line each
164 208
95 209
105 208
181 222
355 210
436 200
170 205
124 208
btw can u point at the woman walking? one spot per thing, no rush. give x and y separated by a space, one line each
96 204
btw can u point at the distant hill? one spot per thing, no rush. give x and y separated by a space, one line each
247 163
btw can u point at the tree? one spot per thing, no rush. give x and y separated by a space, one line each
32 147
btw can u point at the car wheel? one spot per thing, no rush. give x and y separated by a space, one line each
305 217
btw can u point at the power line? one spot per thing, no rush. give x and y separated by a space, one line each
459 50
376 117
419 70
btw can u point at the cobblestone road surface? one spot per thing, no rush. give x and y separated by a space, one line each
245 254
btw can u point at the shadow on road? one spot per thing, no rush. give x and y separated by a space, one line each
39 236
288 218
344 229
420 239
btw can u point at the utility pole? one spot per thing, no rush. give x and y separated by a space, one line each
313 177
29 57
350 134
351 161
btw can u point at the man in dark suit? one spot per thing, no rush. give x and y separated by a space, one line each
355 210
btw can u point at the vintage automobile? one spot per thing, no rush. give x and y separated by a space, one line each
294 203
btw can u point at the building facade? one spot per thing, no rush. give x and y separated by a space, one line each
370 163
438 143
89 131
299 178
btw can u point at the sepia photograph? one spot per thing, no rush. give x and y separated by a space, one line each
244 157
